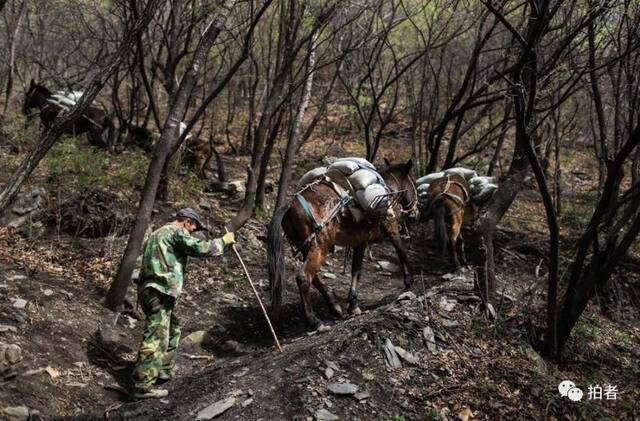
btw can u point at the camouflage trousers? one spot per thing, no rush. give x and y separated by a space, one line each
159 346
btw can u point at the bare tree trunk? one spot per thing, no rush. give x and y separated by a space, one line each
503 135
597 98
143 72
167 141
557 176
49 138
585 277
12 56
551 337
294 134
286 41
524 76
264 164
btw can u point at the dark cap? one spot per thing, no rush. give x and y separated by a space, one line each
191 214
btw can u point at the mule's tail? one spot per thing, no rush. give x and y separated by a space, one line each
276 260
440 224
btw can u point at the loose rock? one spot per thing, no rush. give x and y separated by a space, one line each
342 388
17 412
323 328
215 409
328 372
407 356
324 415
362 396
450 323
388 266
408 295
26 207
231 188
20 303
429 339
11 354
390 355
332 365
447 305
195 338
7 328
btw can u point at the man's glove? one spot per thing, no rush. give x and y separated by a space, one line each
229 238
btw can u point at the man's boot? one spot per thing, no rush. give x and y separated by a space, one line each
150 394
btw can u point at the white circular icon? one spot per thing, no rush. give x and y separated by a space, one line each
575 394
565 386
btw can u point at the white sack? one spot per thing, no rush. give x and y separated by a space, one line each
430 178
311 176
363 163
367 197
346 167
462 172
423 188
363 178
485 194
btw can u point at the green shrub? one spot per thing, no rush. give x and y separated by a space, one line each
71 164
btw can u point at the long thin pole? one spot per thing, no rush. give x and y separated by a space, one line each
264 311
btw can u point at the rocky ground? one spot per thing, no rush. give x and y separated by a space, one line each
428 354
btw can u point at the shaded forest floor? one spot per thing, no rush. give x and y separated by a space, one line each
75 362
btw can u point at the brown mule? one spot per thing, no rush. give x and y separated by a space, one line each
451 206
341 229
93 121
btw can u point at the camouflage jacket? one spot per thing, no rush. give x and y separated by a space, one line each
165 257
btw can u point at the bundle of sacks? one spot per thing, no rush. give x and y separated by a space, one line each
481 187
65 100
359 178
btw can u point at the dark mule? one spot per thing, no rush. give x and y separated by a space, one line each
199 152
137 136
93 121
451 206
341 230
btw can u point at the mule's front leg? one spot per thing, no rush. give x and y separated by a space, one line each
304 286
454 235
304 279
328 296
356 273
392 231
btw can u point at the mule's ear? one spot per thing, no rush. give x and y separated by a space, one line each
386 161
408 166
33 83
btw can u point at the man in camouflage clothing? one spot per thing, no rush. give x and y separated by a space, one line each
162 275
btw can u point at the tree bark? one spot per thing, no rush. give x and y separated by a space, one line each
294 134
11 64
585 275
167 141
524 76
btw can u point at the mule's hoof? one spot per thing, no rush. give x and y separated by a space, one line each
323 328
336 310
356 311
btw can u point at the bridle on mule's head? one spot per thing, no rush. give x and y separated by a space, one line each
412 202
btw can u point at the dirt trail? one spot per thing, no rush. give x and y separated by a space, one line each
468 360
